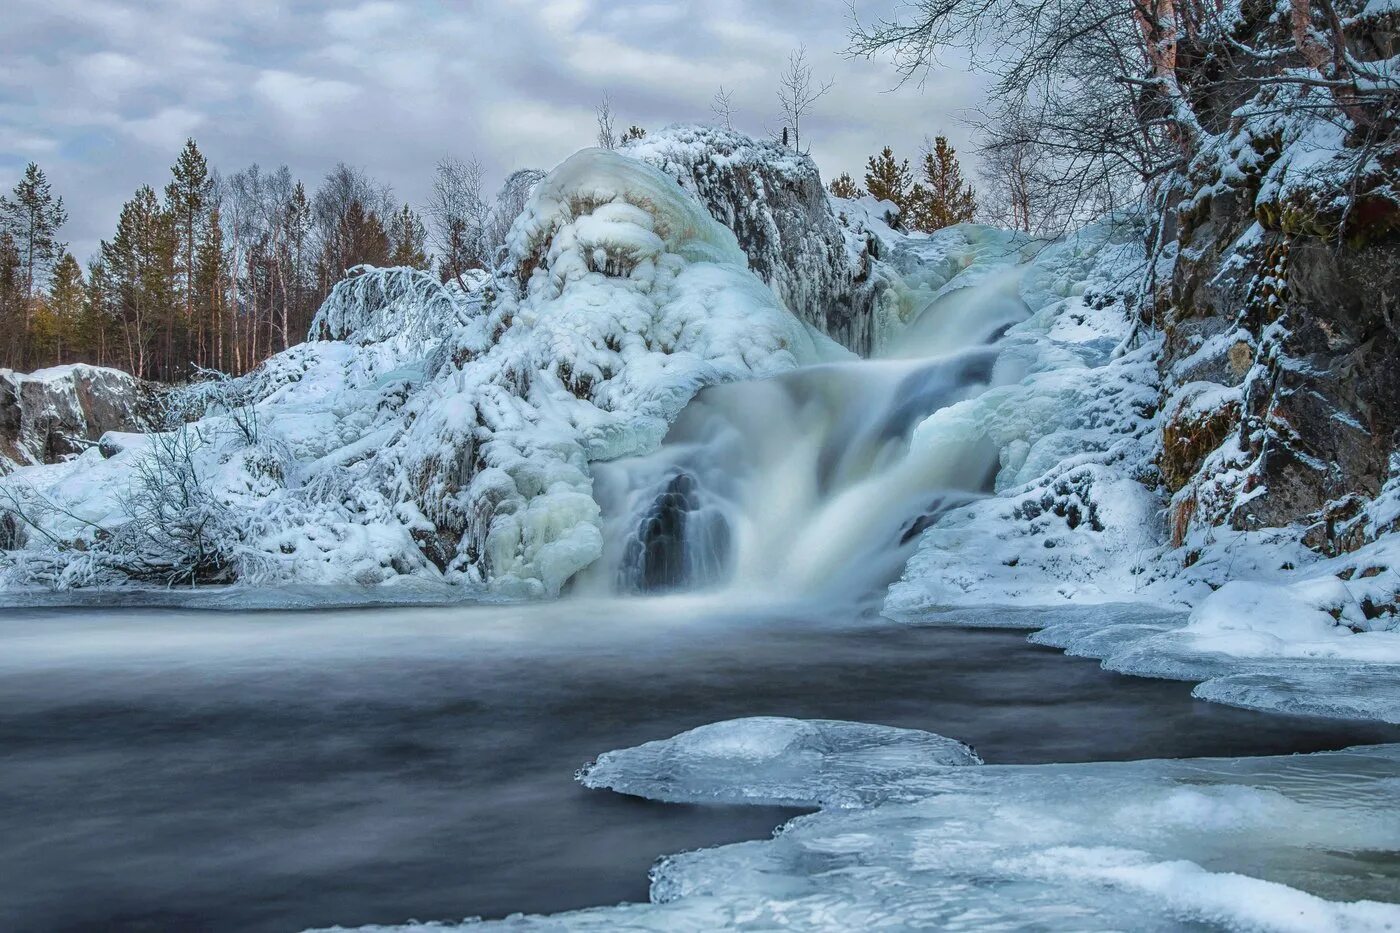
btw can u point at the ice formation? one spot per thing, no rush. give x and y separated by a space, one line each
773 760
1294 843
442 434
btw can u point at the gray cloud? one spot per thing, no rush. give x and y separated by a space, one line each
103 92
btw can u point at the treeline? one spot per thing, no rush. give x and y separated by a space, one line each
221 271
936 197
218 271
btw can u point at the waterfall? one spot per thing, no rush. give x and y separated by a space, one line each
806 484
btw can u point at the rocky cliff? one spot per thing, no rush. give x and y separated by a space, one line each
774 201
55 413
1281 362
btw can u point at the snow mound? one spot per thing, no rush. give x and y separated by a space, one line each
774 760
1292 843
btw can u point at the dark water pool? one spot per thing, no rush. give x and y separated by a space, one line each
173 770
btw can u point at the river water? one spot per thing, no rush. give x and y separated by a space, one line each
172 769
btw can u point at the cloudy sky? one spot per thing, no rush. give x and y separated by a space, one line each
102 93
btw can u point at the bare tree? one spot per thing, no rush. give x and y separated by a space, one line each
797 93
1067 78
510 201
459 214
722 106
607 136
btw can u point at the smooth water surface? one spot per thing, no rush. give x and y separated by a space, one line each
170 769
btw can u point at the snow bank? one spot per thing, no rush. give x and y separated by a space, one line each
1148 845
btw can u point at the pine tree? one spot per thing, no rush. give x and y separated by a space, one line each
33 219
210 273
409 238
633 133
944 198
888 180
12 323
67 300
139 263
186 201
844 186
299 221
96 325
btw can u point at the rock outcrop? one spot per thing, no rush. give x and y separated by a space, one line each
55 413
774 201
1282 325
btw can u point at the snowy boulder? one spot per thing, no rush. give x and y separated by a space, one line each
773 199
774 760
54 413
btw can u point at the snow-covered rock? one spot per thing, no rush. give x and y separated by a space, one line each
54 413
773 199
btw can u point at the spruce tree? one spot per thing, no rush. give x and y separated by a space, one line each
139 262
409 238
32 218
844 186
888 180
186 200
943 197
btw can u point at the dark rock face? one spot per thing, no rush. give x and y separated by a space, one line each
774 201
56 413
677 543
1294 302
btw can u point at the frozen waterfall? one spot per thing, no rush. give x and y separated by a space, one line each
806 483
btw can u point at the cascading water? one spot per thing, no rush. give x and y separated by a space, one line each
806 484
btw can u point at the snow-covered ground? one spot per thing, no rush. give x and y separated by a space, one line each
916 834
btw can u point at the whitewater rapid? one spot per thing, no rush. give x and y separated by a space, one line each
809 483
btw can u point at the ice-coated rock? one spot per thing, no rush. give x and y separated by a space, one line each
773 199
775 760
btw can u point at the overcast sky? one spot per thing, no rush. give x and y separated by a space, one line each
102 93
